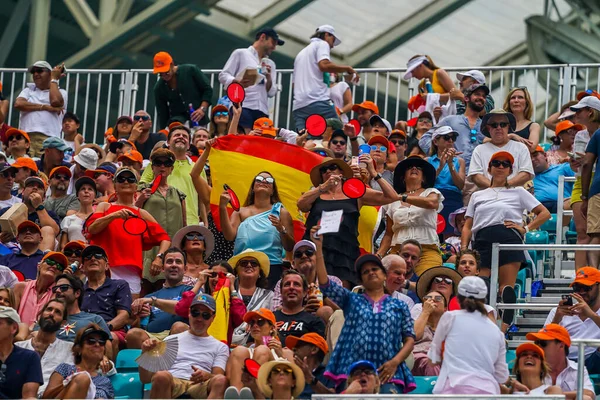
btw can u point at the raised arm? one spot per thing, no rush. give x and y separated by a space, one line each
200 184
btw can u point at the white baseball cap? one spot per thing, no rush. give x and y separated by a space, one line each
588 101
443 130
87 158
384 121
304 243
472 286
10 313
329 29
566 114
474 73
41 64
412 64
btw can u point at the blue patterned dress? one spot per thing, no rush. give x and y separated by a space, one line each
373 331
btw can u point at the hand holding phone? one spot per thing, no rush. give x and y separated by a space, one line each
567 300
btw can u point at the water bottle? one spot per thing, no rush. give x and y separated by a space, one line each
428 86
193 123
74 266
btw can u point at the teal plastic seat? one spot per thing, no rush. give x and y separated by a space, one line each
546 146
449 265
550 225
536 237
127 385
511 356
126 360
571 234
425 384
596 381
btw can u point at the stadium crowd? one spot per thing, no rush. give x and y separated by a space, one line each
139 242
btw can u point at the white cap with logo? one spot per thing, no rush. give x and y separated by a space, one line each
588 101
472 286
329 29
41 64
474 73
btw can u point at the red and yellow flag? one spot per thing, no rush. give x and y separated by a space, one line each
236 160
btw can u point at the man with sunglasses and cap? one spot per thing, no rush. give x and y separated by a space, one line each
42 104
141 136
7 181
18 143
59 201
555 341
24 260
545 182
580 315
338 144
103 176
199 369
496 125
255 104
363 378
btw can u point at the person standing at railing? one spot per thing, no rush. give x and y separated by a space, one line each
42 105
254 59
518 102
311 92
141 136
545 182
423 68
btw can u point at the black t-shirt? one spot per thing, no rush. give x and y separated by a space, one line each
298 324
146 148
22 366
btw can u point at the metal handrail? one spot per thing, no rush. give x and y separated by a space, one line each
560 212
581 343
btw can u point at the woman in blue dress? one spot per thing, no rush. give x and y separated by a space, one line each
378 327
262 224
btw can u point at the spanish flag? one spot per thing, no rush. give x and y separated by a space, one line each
222 295
236 160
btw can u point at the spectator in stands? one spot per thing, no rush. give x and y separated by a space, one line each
82 380
154 322
70 289
465 80
338 144
424 122
363 378
361 320
123 127
21 369
380 126
257 93
496 125
468 262
423 68
309 351
59 202
141 136
199 137
25 167
398 139
219 121
72 225
199 369
18 144
341 249
31 296
364 111
108 229
341 95
71 135
449 170
7 181
456 220
473 364
443 280
555 341
72 250
518 102
532 370
132 159
54 153
25 260
495 215
311 93
564 114
198 243
395 268
435 305
414 215
580 318
51 350
86 158
42 105
103 176
410 251
380 148
563 139
262 223
545 182
280 379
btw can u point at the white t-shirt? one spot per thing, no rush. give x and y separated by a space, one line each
308 78
402 297
577 329
493 206
202 352
567 379
482 154
10 202
582 138
46 122
72 225
415 222
337 96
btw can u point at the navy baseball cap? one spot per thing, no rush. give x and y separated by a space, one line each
270 32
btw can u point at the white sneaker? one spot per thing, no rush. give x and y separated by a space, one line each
246 394
231 393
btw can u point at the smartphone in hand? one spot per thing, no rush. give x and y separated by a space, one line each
568 300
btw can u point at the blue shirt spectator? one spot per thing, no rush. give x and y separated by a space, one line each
22 366
594 148
159 320
113 295
444 179
545 182
77 321
23 265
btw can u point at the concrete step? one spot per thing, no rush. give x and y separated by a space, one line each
546 300
557 282
555 294
555 289
524 321
514 343
535 314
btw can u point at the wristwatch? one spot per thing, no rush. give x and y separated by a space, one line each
153 298
203 109
583 197
159 255
404 197
377 177
54 81
284 231
40 207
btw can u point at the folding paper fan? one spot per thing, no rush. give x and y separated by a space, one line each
160 358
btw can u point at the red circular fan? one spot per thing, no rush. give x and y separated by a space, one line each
354 188
252 367
316 125
19 276
441 224
234 201
355 124
135 225
236 92
156 183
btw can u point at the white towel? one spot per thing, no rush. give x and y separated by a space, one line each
433 101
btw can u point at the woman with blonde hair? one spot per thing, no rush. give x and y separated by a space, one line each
422 67
531 369
518 102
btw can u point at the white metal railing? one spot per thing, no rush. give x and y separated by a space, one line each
581 343
560 213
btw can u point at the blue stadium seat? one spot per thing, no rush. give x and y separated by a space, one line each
596 381
425 384
550 225
511 356
127 385
546 146
537 237
126 360
449 265
571 234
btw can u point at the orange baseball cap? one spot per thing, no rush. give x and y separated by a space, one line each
531 347
367 105
379 139
28 224
538 149
162 62
397 132
56 256
132 155
174 124
551 332
59 169
15 131
587 276
503 154
263 313
26 162
312 338
586 93
266 125
75 243
564 125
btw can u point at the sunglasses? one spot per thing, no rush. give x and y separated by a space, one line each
340 142
61 177
361 371
425 120
29 230
260 322
221 114
245 263
63 288
128 179
141 117
398 142
16 137
331 167
448 138
498 124
93 341
437 299
163 163
577 288
542 343
99 174
8 174
307 253
284 370
445 279
519 87
194 236
262 179
97 256
321 153
71 253
55 264
500 163
204 314
473 135
38 71
417 168
382 149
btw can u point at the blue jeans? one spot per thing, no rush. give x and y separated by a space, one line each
324 108
249 116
